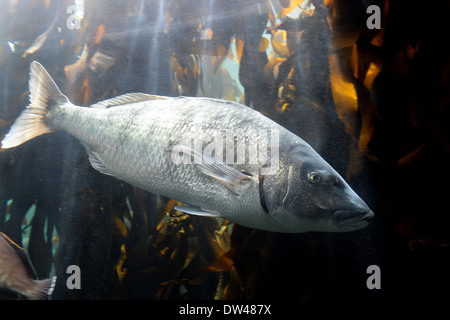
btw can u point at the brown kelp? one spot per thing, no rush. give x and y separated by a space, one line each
373 102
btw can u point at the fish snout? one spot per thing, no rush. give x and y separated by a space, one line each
352 212
349 217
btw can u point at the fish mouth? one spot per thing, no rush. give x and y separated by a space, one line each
344 218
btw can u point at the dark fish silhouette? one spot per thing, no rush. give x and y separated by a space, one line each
17 273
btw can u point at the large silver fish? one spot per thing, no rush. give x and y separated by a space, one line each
211 155
17 274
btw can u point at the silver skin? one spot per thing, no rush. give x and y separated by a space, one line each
136 137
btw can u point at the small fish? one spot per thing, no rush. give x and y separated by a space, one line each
146 140
17 273
40 40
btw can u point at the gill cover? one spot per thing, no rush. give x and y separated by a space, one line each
273 190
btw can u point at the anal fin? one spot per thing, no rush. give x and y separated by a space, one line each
95 161
197 211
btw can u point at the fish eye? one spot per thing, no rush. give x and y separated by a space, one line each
314 177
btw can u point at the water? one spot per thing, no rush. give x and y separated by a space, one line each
374 107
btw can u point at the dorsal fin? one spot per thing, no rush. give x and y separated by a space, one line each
125 99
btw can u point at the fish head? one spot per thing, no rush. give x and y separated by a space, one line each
307 194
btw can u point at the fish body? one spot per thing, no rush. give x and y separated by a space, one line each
17 273
218 158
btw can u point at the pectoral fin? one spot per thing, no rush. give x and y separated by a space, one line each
216 169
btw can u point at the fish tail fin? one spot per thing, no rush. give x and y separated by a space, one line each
43 289
33 121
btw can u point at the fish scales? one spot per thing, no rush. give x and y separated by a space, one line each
133 142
